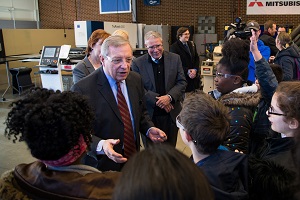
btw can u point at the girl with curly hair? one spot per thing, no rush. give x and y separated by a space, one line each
231 89
57 130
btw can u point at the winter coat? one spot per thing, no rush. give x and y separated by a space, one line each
241 104
286 59
36 181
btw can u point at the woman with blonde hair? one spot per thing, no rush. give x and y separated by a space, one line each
122 33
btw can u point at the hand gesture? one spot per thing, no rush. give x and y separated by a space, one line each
253 43
157 135
108 146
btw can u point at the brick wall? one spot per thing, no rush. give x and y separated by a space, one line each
174 13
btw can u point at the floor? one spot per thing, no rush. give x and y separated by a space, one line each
12 154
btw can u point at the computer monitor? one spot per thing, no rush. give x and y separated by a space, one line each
50 55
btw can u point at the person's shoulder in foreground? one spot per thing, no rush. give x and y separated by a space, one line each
56 127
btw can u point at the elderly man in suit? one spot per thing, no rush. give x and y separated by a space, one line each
164 83
116 94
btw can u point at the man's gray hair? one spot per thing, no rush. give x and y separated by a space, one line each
114 41
152 34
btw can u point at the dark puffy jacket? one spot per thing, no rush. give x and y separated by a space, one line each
286 59
241 105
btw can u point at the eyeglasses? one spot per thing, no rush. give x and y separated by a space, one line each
178 123
270 112
180 126
220 75
155 47
117 61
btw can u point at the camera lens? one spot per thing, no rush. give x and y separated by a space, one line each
238 20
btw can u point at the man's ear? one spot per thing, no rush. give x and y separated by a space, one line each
102 59
188 137
293 123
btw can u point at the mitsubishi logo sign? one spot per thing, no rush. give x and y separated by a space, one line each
258 3
273 7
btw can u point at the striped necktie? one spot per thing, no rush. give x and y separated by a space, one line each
129 143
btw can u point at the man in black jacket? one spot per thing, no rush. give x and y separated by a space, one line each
189 57
268 36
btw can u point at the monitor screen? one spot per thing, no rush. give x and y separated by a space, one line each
49 52
50 55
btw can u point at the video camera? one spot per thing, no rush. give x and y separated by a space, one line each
238 29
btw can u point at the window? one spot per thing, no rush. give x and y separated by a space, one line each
114 6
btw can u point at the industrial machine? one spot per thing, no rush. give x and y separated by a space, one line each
83 30
208 70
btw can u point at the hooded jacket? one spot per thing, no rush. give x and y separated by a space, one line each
241 104
286 59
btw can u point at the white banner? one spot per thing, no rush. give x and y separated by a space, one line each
277 7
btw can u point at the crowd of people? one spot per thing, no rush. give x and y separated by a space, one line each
243 135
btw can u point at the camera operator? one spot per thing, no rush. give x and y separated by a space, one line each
237 30
243 31
264 50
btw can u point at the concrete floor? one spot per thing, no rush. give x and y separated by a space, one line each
12 154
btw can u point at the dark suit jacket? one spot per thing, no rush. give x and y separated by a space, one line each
175 81
189 61
108 122
82 69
